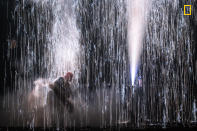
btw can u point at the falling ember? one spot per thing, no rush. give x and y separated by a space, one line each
137 10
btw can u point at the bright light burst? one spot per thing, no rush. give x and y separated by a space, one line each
137 12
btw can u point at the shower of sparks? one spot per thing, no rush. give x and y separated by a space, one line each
137 10
54 37
133 73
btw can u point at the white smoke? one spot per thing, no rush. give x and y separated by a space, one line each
38 97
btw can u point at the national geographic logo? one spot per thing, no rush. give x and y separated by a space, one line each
187 10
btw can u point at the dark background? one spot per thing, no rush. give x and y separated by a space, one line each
8 28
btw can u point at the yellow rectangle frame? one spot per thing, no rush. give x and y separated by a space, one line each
190 12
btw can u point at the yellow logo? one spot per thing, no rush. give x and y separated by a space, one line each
190 12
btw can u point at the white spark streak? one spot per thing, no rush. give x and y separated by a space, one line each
137 10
